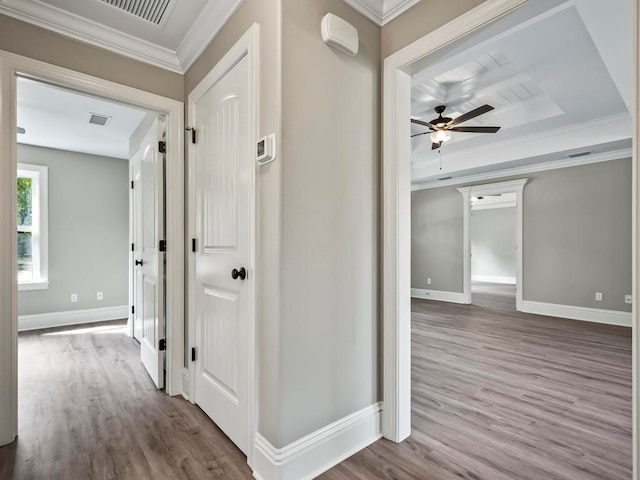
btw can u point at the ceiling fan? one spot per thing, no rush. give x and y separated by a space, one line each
440 128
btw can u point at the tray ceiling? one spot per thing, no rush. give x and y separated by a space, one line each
167 33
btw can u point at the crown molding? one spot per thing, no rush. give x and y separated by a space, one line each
536 167
207 25
381 12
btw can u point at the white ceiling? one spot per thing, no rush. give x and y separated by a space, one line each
185 29
54 117
381 11
559 74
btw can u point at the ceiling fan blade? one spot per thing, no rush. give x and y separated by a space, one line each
418 134
472 114
435 146
474 129
420 122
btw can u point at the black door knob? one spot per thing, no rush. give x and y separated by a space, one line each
242 274
139 262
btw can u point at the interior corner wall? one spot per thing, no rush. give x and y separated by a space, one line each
420 20
268 14
330 160
493 243
576 236
88 233
31 41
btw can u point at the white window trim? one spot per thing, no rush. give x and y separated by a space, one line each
40 225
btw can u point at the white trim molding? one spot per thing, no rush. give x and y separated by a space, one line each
72 317
319 451
381 12
596 315
513 186
186 381
494 279
207 25
396 208
452 297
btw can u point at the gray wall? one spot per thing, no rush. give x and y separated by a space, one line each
436 239
330 196
577 236
88 231
34 42
493 242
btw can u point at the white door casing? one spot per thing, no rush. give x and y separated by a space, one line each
223 111
149 266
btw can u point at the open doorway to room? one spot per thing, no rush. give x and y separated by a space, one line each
556 77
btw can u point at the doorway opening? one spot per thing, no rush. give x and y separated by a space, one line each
538 134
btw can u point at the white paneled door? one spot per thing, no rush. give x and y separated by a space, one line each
224 164
148 211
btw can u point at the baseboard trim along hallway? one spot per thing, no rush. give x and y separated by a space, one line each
453 297
596 315
73 317
316 453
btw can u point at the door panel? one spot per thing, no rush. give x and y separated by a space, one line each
224 164
136 225
150 281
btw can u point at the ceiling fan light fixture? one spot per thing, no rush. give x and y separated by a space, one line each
440 136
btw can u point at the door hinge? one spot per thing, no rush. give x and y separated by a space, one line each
193 354
163 246
133 247
131 184
162 345
194 245
133 309
162 146
193 134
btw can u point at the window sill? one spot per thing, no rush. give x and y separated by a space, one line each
33 286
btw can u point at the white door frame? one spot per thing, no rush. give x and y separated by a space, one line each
513 186
249 46
11 65
396 223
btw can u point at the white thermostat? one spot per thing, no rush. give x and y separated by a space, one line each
266 149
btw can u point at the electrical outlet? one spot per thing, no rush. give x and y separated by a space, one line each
99 296
74 298
598 296
628 299
428 281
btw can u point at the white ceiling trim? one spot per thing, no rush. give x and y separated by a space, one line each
381 11
60 21
537 167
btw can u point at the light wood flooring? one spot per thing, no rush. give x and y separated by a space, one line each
500 395
89 411
497 395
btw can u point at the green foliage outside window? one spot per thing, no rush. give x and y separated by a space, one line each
24 201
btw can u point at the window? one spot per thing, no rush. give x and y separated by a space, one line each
31 216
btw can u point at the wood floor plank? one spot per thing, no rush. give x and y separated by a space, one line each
501 395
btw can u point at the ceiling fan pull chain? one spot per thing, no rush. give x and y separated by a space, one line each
440 152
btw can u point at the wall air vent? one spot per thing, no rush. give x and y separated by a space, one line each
149 10
579 154
96 119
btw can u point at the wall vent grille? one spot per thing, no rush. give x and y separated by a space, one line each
149 10
97 119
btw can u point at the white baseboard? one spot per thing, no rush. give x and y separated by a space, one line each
453 297
610 317
74 317
493 279
186 380
319 451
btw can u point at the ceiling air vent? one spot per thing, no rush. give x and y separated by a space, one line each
579 154
96 119
149 10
